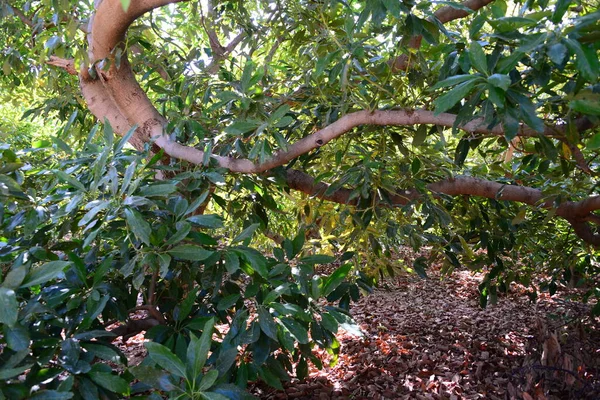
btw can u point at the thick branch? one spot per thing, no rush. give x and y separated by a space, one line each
116 95
338 128
444 14
577 213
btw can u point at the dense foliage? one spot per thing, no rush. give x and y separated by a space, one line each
95 231
86 240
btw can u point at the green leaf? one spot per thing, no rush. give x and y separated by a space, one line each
15 277
275 293
267 323
477 57
154 377
454 80
9 307
530 117
506 64
183 229
125 139
510 123
161 189
51 395
561 7
44 273
337 277
232 262
9 187
420 135
507 24
254 259
283 122
12 372
125 4
279 113
420 266
245 234
63 176
190 252
584 63
94 334
105 351
93 212
246 79
557 53
593 143
186 305
270 378
329 322
113 383
227 302
317 259
127 178
457 6
17 338
500 81
449 99
238 128
140 228
296 329
214 396
520 217
197 351
165 358
208 380
585 107
211 221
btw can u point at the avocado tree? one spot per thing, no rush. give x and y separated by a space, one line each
469 128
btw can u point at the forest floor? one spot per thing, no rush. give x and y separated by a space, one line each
429 339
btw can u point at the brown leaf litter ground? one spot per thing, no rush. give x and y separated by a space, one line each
429 339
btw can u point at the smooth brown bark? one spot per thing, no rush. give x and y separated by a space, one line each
578 213
116 96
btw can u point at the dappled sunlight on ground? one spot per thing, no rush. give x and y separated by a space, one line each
429 339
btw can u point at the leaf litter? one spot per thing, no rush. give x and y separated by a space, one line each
430 339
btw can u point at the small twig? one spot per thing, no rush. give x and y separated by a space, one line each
26 20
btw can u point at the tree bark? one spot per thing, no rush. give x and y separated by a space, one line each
116 96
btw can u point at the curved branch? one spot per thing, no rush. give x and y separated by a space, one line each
337 129
116 95
120 94
577 213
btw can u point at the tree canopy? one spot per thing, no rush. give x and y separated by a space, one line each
334 130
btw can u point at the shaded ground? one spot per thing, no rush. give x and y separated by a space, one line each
429 339
426 339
